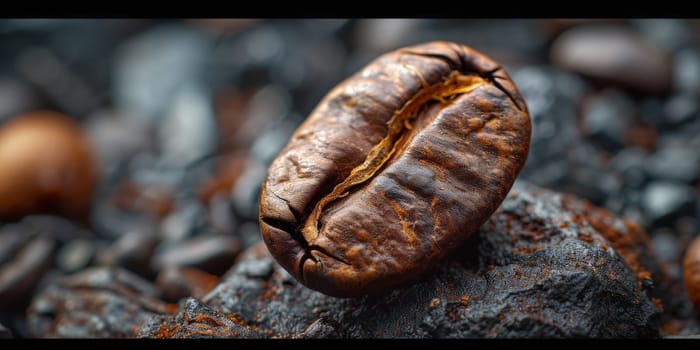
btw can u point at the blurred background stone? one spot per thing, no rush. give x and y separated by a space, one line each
211 253
182 282
615 54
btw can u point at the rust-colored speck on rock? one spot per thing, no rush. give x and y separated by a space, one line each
657 302
641 134
584 236
171 308
626 237
642 275
242 323
167 332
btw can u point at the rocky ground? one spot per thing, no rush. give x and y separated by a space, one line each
185 115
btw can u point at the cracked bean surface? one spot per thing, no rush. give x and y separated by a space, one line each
394 169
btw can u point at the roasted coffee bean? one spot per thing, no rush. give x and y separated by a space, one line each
48 166
691 273
394 169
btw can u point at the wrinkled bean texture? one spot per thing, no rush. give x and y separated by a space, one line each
394 169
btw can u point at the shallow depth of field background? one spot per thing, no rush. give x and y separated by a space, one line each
168 103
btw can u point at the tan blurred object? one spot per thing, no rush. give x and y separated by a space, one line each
614 55
555 26
47 167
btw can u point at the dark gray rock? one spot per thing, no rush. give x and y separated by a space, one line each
675 163
198 320
111 222
58 81
183 222
681 108
286 53
213 253
221 218
551 98
76 255
19 276
15 324
132 251
670 33
4 332
56 227
246 191
12 238
651 111
631 163
116 137
666 245
96 303
540 267
248 233
149 68
27 251
586 174
663 201
321 328
270 141
383 34
186 132
108 278
686 75
15 97
606 117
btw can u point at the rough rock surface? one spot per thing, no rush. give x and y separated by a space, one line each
544 265
96 303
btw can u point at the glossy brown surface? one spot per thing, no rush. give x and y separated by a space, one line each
47 166
394 169
691 273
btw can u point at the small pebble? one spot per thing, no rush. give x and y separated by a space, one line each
615 55
212 253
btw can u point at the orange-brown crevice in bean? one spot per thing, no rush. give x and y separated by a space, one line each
398 132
